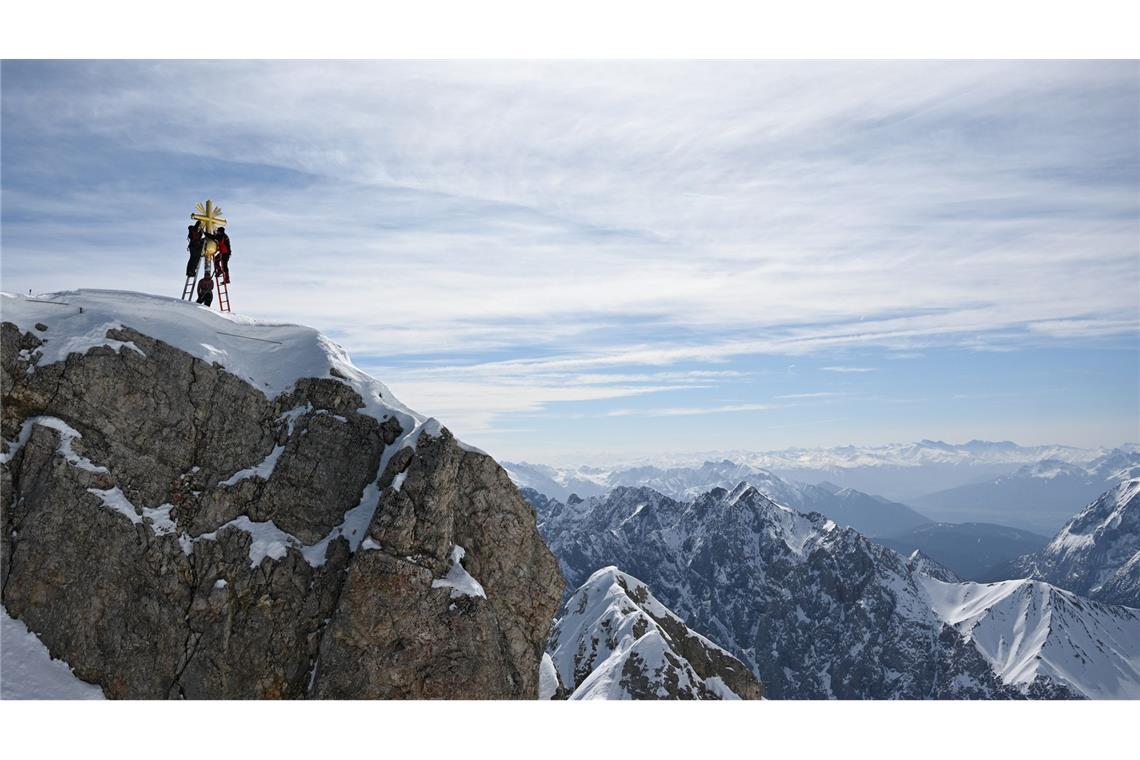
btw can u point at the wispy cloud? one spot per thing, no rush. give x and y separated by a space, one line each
816 394
684 411
496 239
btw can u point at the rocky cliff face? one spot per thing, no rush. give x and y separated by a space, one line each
198 506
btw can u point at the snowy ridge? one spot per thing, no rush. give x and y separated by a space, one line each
1095 520
269 356
1029 629
615 640
1097 553
921 564
820 611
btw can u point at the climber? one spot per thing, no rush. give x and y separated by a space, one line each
222 258
195 238
206 291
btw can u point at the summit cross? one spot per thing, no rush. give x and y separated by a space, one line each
209 215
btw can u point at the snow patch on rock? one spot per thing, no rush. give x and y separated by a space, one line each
28 671
458 579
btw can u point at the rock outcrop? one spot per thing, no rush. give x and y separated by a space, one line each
176 524
614 640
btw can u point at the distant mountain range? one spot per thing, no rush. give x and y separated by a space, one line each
995 483
897 471
871 515
1038 497
972 551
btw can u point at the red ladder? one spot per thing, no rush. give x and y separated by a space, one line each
223 293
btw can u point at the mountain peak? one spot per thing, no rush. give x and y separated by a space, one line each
176 467
615 640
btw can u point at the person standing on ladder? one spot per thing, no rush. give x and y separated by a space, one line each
222 258
195 237
213 245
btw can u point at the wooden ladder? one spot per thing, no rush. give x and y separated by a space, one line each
188 289
223 293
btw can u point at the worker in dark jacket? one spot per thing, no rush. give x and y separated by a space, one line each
196 240
206 291
222 257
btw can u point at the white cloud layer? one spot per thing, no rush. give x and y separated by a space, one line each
495 238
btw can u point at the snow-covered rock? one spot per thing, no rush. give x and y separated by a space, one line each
815 609
819 610
1097 553
30 672
197 504
1034 634
614 640
921 564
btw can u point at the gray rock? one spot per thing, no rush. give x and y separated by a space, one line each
449 497
157 590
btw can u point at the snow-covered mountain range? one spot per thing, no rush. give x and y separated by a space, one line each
900 472
820 611
1032 633
614 640
1097 553
871 515
979 482
817 610
909 454
1038 496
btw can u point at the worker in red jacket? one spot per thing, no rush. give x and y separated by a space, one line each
206 291
222 257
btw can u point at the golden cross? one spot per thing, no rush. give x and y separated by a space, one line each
209 215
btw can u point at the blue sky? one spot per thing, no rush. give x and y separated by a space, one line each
631 257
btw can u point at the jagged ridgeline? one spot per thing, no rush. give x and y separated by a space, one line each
198 505
819 611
